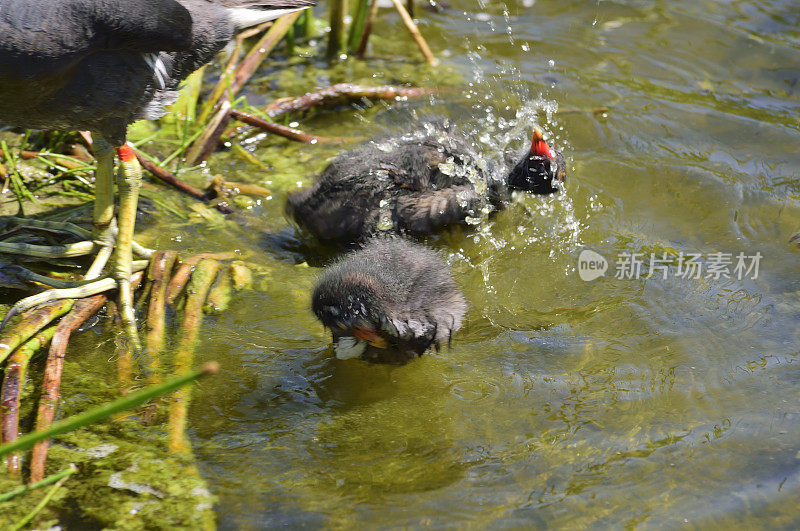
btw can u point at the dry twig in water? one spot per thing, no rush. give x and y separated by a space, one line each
281 130
339 94
415 34
13 381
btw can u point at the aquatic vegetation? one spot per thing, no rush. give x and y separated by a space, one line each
51 175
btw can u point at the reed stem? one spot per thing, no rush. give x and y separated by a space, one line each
415 34
219 296
290 40
39 506
336 37
184 270
202 277
13 381
308 24
159 274
31 323
49 480
357 27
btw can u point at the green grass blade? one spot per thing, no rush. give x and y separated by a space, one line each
102 412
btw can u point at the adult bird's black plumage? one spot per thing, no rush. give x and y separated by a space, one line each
388 302
98 65
417 182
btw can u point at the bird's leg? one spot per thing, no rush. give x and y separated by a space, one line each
105 228
103 231
128 181
103 188
103 215
108 232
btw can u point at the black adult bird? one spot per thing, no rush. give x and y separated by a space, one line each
417 182
388 302
98 65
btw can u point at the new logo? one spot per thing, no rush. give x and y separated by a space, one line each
591 265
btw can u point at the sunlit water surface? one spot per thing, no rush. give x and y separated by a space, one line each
649 401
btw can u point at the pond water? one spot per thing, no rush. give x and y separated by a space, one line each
659 401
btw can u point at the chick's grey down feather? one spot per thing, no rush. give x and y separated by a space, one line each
415 182
402 290
83 64
397 180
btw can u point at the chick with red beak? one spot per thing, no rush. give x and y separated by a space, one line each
541 171
418 182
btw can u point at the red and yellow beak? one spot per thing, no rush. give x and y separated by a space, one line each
370 336
539 147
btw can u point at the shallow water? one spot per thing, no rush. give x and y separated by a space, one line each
653 402
562 403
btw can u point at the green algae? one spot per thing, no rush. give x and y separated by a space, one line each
126 480
126 477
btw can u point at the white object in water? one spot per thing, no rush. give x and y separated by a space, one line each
349 347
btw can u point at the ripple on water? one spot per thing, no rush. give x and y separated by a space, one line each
618 402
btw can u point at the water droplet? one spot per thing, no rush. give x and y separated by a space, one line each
385 222
448 167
